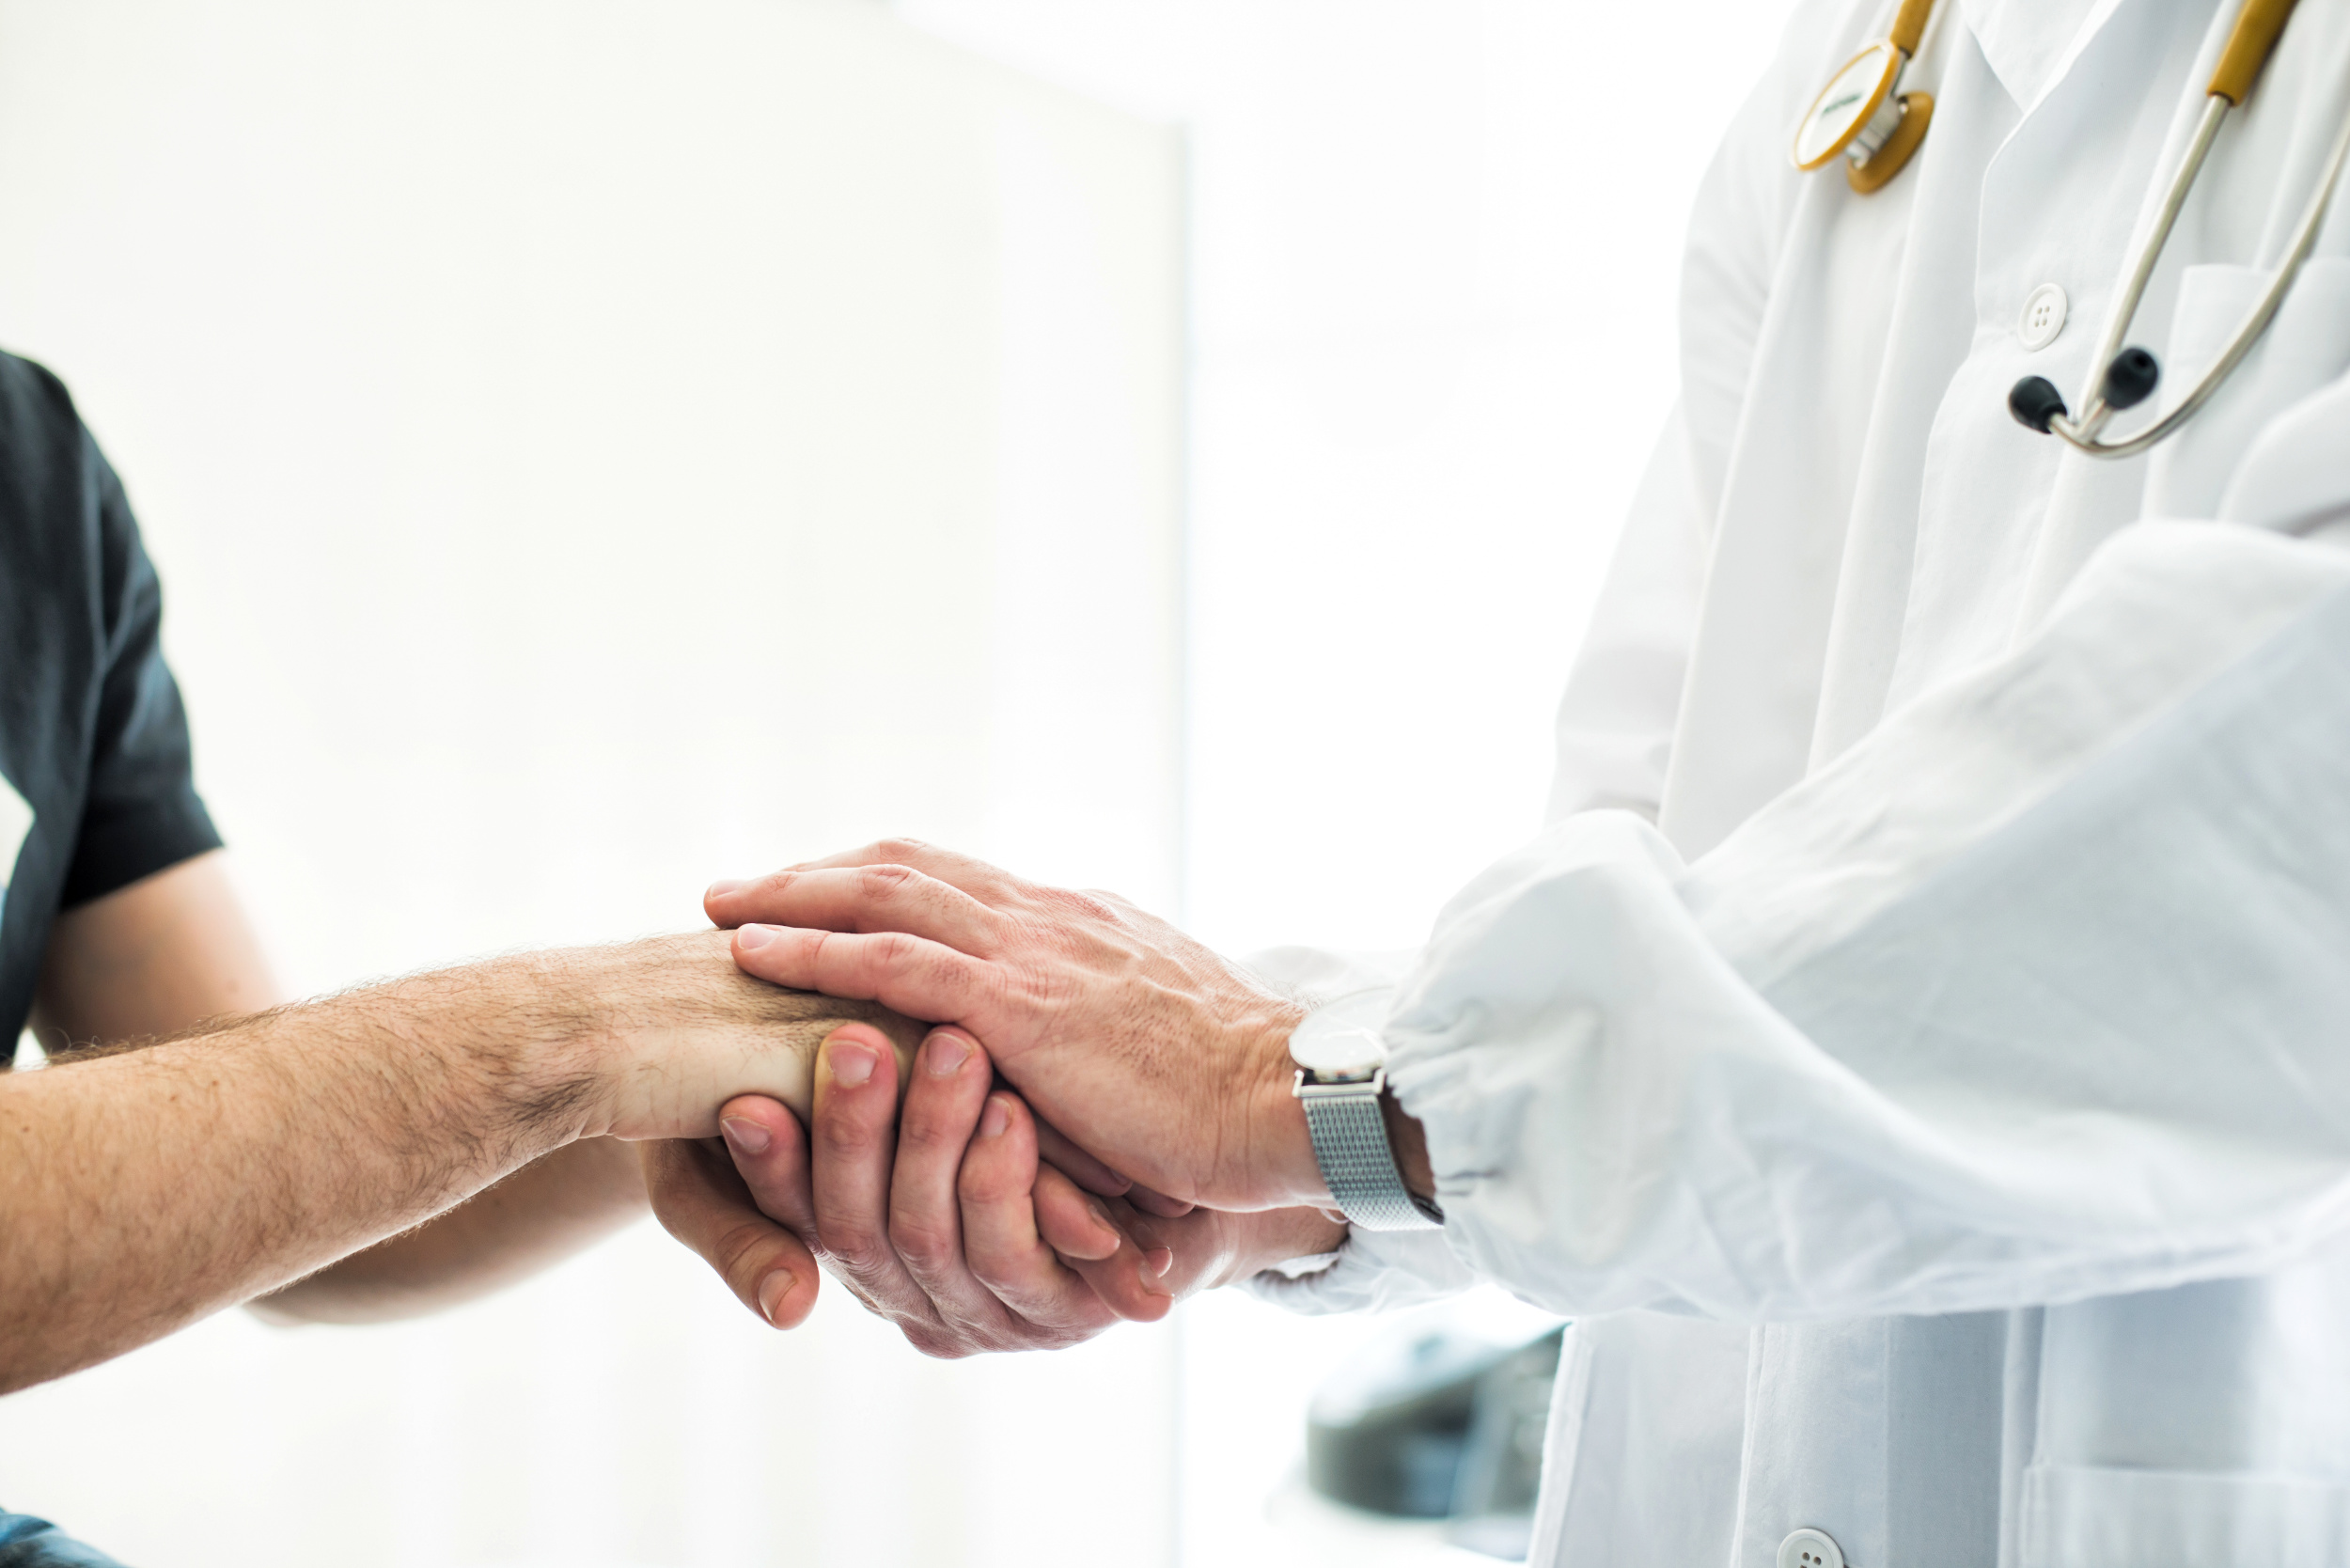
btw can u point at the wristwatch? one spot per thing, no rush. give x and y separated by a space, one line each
1341 1073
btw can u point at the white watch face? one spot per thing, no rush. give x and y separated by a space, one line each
1345 1036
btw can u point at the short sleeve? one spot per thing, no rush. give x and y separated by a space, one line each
141 814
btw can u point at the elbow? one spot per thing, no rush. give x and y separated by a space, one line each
280 1309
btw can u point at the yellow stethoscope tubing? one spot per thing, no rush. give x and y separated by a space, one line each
1909 26
1907 32
2250 43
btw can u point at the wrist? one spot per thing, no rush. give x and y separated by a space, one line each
584 1033
1408 1139
619 1030
1264 1240
1284 1173
1372 1158
668 1029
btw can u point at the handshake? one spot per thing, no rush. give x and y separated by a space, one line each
1092 1118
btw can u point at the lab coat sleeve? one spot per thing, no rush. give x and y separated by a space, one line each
1617 716
1373 1271
2038 993
1615 733
1370 1271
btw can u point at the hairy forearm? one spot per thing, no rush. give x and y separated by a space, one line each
550 1209
147 1189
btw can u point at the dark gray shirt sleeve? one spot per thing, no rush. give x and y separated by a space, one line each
142 813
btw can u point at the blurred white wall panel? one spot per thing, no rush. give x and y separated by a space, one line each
1434 298
591 448
1434 317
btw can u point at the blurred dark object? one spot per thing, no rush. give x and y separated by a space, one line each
1439 1423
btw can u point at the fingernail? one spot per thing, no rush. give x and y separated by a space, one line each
745 1136
771 1290
851 1064
1101 1217
1149 1276
720 890
1159 1260
994 1118
945 1055
753 936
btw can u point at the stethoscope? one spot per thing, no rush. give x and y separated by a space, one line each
1862 114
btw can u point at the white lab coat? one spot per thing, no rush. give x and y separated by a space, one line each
1917 1051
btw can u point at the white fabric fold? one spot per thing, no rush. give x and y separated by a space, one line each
2035 995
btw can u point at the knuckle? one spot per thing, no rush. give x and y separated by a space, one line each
847 1138
987 1190
925 1125
879 884
856 1247
937 1346
1003 1276
925 1247
741 1253
864 1295
985 1183
1068 903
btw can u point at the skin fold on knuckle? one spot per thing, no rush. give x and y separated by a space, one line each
985 1185
938 1343
926 1249
856 1247
882 884
743 1254
928 1127
900 852
895 952
883 1285
854 1134
1015 1274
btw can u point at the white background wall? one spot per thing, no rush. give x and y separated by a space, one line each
653 384
1434 251
591 448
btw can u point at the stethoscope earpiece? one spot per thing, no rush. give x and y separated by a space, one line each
2034 402
2130 380
2131 375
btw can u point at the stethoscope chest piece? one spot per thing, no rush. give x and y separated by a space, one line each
1859 117
1862 116
1893 154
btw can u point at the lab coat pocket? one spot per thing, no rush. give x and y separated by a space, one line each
2095 1516
2222 448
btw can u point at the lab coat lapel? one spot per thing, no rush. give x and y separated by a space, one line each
2031 43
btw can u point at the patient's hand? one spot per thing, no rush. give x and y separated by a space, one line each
934 1215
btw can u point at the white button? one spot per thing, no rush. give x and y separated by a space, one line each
2042 318
1811 1548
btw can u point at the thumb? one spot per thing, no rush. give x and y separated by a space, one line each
701 1202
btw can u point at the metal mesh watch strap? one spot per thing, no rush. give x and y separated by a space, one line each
1351 1145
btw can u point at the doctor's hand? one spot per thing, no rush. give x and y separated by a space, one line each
939 1217
1150 1051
